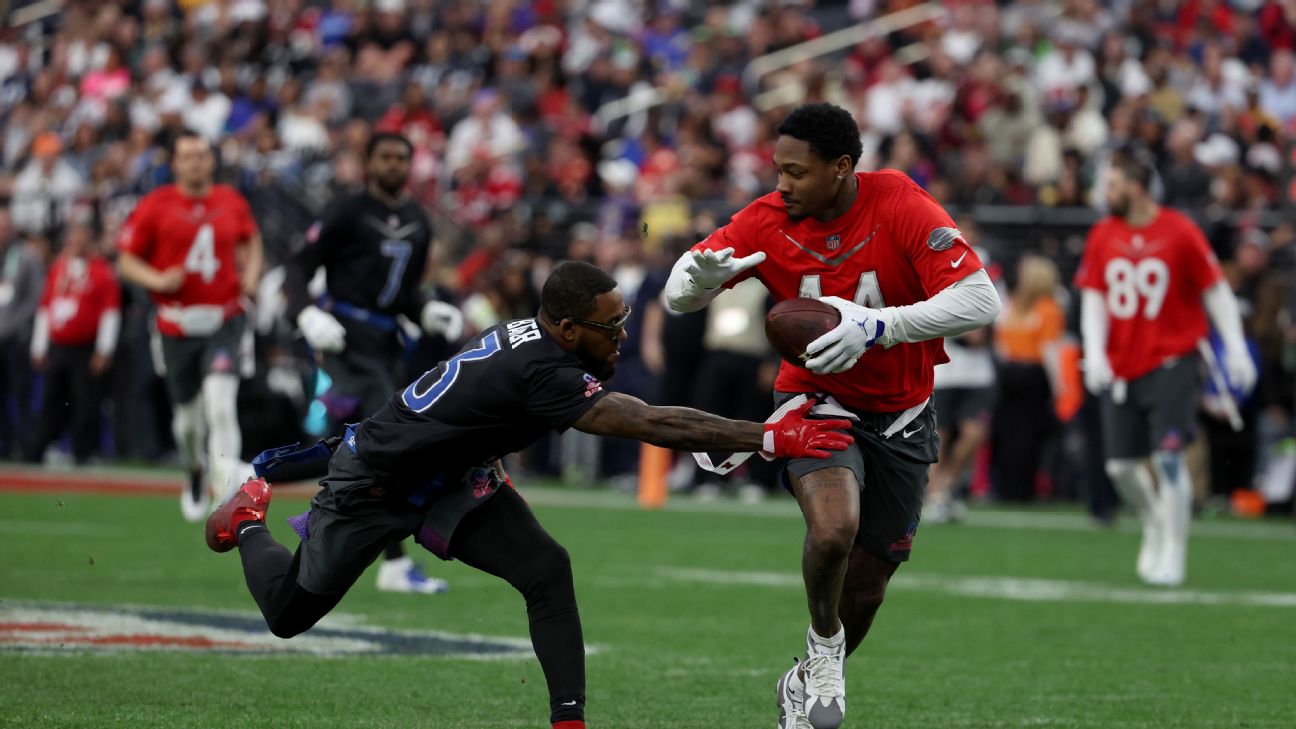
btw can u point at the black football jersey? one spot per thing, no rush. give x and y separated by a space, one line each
373 256
505 389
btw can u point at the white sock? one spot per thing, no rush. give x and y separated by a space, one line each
826 646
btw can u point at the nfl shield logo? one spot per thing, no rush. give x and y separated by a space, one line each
393 220
834 242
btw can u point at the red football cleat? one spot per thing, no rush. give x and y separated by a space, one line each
249 503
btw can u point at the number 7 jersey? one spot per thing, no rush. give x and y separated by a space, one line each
895 246
1152 280
169 230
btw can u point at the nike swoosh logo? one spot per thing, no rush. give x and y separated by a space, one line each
955 263
840 258
907 433
568 703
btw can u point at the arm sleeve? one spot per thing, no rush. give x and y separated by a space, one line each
1093 324
40 333
136 237
110 316
320 238
968 304
935 248
559 396
1222 308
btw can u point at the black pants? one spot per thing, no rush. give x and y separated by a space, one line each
16 416
72 398
1023 427
501 537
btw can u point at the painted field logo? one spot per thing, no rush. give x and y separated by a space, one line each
57 628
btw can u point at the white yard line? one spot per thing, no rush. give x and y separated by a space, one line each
1005 588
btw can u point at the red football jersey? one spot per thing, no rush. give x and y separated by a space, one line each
1153 279
168 229
895 246
77 293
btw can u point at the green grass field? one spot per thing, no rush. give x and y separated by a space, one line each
1014 619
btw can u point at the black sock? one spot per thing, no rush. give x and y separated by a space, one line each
195 485
265 562
395 550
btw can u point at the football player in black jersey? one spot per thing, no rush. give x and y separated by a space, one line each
373 247
427 464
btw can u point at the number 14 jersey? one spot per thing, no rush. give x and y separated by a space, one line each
1152 280
894 246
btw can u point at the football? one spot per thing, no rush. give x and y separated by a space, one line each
793 324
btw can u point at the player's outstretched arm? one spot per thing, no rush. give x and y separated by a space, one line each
793 436
698 276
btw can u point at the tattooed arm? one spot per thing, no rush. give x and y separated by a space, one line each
687 429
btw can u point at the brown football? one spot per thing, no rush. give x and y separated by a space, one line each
793 324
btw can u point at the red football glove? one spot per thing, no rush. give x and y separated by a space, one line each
795 436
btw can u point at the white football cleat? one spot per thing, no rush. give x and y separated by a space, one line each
825 689
404 575
195 500
791 700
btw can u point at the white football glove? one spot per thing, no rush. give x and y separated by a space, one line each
323 332
839 350
710 269
1097 374
442 319
1240 370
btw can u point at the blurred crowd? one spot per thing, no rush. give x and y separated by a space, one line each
623 131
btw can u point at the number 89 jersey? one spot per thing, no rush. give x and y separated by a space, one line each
168 229
1152 280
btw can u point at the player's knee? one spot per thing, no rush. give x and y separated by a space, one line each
281 627
834 536
548 580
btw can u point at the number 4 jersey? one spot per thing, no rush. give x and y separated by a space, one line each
1152 280
895 246
168 229
498 395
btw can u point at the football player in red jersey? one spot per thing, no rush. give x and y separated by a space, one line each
195 246
1148 282
884 253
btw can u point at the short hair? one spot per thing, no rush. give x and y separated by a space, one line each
1136 165
571 288
174 144
830 131
380 137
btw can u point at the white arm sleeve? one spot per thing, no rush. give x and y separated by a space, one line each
682 294
1222 308
1093 325
40 334
968 304
109 328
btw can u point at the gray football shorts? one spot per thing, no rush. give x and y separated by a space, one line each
187 360
1159 411
891 472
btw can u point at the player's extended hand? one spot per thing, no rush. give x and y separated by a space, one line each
1240 370
1097 374
710 269
795 436
444 320
323 332
839 350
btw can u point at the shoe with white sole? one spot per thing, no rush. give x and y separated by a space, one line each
404 575
825 689
791 700
195 500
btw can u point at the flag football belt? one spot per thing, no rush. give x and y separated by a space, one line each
826 406
378 321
